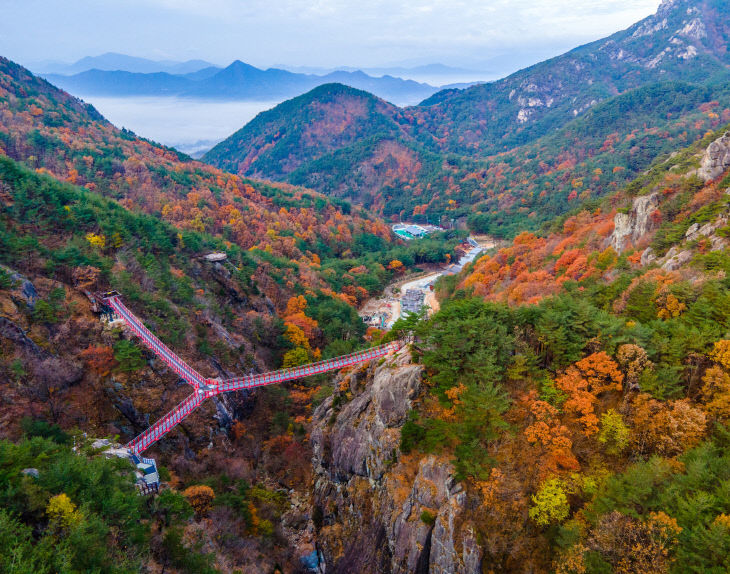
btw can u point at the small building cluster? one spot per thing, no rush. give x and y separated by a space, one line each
412 301
379 319
148 479
410 231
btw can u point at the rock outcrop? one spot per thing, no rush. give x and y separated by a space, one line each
377 510
682 253
676 258
366 433
45 367
716 159
635 224
698 231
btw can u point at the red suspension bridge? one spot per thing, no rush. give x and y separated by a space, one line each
204 388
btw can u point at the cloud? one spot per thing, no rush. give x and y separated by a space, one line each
309 32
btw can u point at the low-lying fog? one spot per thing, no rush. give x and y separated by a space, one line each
191 126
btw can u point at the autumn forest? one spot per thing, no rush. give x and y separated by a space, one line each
562 405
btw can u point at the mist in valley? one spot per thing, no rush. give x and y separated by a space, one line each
191 126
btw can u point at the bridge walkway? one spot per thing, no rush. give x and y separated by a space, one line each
205 388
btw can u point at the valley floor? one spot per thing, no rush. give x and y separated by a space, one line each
385 310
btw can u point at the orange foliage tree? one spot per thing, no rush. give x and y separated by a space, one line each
665 428
584 383
396 266
551 436
99 359
200 497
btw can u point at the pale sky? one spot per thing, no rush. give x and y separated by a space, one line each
327 33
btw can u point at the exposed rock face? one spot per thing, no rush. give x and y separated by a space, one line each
376 514
444 557
697 231
681 254
716 159
634 225
675 258
648 256
46 368
222 275
23 286
366 433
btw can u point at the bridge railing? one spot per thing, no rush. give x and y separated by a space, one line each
250 381
205 388
166 423
154 344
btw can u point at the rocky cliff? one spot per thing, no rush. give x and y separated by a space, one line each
633 225
716 159
374 509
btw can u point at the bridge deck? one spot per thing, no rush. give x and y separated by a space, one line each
155 345
205 388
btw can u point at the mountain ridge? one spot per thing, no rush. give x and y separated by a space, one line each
481 126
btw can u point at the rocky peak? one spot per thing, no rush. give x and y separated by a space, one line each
680 30
667 7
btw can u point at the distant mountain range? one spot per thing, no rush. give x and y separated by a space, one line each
238 81
112 61
440 73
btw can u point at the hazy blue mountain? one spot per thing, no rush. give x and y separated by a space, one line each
425 70
387 87
238 81
243 81
203 74
118 83
112 61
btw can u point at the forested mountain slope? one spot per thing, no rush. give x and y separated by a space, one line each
577 385
566 413
508 162
60 365
131 215
86 207
296 236
686 40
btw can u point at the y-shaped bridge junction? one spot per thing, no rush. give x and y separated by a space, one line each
204 388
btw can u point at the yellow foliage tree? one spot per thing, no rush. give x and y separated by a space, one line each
550 503
614 432
117 240
716 391
98 241
633 360
61 512
721 353
296 336
296 305
295 357
670 307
